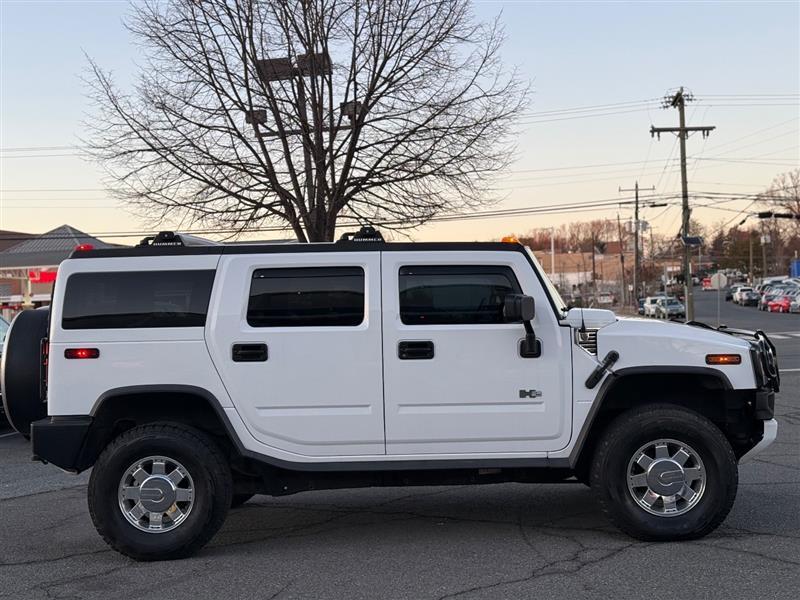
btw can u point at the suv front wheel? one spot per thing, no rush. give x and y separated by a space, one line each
664 473
160 491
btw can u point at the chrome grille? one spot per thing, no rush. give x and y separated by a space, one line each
587 340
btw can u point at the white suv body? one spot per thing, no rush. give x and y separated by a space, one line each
370 358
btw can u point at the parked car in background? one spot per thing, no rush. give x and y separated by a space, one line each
794 305
750 298
766 298
779 304
605 298
650 305
728 295
3 331
740 293
640 306
670 308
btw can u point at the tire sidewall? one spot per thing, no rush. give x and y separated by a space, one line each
719 465
104 502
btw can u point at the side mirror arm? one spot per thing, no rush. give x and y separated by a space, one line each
530 347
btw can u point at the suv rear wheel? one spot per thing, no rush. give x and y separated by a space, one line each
664 473
160 491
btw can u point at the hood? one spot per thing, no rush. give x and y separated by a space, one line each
658 344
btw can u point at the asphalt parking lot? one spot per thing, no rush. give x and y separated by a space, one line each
498 541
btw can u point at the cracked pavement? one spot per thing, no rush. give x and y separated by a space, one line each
509 541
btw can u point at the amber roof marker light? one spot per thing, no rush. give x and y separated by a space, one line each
723 359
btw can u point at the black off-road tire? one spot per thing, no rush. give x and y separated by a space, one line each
637 427
213 490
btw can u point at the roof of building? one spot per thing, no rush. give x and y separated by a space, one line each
12 238
47 249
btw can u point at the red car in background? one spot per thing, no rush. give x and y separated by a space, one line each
779 304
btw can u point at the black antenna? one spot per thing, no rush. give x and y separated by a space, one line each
583 323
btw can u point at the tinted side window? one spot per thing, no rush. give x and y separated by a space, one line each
124 300
455 295
306 297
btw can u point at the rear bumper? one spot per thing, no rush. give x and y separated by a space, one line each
770 433
62 441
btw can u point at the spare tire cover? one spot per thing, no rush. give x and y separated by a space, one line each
20 373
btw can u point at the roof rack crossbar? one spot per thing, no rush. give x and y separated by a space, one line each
366 234
170 238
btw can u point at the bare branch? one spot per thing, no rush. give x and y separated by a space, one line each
428 128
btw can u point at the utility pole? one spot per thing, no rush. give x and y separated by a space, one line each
594 271
750 278
764 239
678 100
621 261
636 226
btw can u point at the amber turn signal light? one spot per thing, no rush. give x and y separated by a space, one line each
81 353
723 359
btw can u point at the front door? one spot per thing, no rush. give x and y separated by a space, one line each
454 380
297 341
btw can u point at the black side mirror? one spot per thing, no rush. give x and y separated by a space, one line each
518 308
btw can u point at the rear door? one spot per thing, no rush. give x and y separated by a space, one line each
453 377
297 341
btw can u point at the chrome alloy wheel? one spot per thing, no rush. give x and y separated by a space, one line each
156 494
666 477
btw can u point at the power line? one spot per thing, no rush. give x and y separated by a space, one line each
593 107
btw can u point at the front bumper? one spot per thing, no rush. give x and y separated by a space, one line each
770 433
62 441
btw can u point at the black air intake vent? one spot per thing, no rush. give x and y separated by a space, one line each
587 340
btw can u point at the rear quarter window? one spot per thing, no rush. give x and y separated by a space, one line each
136 299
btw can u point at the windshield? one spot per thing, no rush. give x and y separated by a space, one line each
551 289
673 302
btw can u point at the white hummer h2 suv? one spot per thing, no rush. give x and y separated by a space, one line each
193 375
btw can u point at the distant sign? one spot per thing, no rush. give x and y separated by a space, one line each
719 281
42 276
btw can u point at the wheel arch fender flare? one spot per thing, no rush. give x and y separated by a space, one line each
615 379
188 404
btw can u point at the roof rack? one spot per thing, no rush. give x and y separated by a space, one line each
170 238
365 234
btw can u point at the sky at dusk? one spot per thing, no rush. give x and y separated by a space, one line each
736 57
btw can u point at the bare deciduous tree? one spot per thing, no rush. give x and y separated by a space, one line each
308 113
785 192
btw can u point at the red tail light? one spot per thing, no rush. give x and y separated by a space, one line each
81 353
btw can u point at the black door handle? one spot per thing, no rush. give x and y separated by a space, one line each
415 350
249 353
